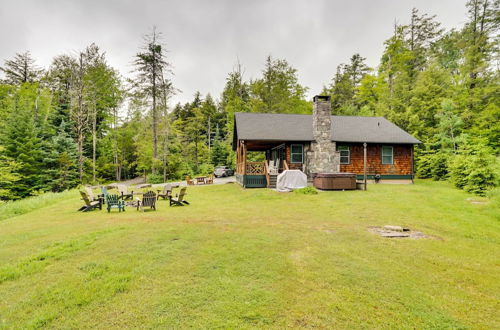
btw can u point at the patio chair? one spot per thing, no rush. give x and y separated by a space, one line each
179 201
123 190
89 205
209 179
273 167
148 199
166 192
90 194
114 201
104 194
189 181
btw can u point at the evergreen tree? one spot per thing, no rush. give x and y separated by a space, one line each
23 144
278 91
61 161
219 151
8 177
21 69
345 84
151 68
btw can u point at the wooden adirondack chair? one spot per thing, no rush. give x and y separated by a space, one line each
114 201
166 192
189 181
123 190
179 201
90 194
148 199
209 179
89 205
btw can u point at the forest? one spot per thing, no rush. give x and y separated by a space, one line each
81 121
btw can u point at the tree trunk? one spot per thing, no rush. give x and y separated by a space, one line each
94 142
80 153
155 137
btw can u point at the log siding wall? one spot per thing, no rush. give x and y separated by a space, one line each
402 162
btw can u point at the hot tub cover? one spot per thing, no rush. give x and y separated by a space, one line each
334 175
290 180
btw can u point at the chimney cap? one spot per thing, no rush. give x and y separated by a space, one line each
322 98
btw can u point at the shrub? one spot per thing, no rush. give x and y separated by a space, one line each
433 164
206 169
306 191
475 168
154 178
439 165
423 162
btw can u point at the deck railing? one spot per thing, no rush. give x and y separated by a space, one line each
255 168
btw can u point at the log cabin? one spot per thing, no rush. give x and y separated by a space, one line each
321 143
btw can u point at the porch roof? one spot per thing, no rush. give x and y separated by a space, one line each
292 127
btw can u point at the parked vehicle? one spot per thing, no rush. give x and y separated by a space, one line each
222 171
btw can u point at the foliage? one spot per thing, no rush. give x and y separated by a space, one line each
8 177
61 161
440 86
474 168
309 190
21 69
154 178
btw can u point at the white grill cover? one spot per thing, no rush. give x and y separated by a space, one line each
290 180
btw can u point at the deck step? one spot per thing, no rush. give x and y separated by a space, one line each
272 180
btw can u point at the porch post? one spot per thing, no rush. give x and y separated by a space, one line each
364 164
412 166
244 152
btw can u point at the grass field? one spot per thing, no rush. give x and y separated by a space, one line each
256 258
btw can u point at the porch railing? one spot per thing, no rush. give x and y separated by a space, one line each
255 168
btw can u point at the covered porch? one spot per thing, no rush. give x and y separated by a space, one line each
261 174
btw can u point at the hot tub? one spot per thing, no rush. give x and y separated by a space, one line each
335 181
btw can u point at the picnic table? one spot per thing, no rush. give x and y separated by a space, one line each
200 179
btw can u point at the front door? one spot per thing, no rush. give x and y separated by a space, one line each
278 153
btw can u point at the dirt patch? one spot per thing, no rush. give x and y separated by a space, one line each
397 232
475 201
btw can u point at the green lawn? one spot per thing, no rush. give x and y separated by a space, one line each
256 258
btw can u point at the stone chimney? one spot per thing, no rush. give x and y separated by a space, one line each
322 156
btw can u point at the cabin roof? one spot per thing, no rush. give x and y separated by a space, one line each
292 127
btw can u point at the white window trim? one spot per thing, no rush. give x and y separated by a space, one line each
296 153
348 154
392 155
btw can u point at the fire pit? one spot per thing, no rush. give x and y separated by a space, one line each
335 181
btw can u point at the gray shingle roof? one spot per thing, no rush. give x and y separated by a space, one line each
291 127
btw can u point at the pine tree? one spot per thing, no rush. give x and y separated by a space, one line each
8 176
219 151
61 161
151 67
24 146
21 69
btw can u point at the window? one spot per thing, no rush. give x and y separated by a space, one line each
345 154
387 155
297 153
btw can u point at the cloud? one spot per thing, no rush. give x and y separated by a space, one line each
205 38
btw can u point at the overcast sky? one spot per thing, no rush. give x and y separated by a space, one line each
205 38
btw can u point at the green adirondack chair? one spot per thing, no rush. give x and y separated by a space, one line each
114 201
